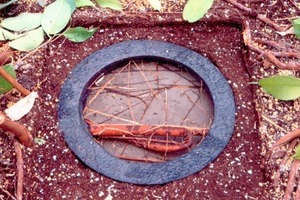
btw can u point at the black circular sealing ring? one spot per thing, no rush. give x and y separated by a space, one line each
75 130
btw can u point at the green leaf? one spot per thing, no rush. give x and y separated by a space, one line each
56 16
5 86
3 5
297 153
72 5
196 9
84 3
7 35
282 87
29 41
155 4
112 4
79 34
296 25
23 22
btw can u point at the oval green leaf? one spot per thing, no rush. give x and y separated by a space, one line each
112 4
155 4
79 34
296 25
29 41
6 35
5 86
84 3
194 10
56 16
23 22
282 87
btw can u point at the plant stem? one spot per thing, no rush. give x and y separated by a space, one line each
20 171
13 81
20 131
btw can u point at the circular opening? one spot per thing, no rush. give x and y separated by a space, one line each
148 110
74 98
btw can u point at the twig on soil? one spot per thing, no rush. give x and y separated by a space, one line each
297 193
268 42
20 131
295 5
284 160
253 13
271 57
10 97
295 54
273 123
5 57
287 138
294 172
7 193
287 55
268 54
20 171
294 135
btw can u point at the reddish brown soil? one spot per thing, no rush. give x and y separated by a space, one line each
52 171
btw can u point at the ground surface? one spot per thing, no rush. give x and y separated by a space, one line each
52 171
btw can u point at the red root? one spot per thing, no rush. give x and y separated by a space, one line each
154 138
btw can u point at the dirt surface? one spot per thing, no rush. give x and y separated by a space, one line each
52 171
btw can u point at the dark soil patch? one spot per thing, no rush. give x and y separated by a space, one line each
52 171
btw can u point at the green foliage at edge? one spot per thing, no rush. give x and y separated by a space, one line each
112 4
297 153
83 3
281 87
79 34
296 25
4 85
194 10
